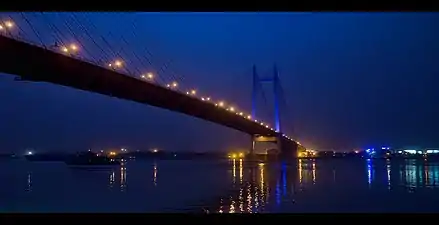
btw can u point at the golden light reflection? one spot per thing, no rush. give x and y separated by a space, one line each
313 172
256 199
241 200
234 170
249 199
221 206
262 181
300 171
112 175
123 177
252 195
232 207
241 170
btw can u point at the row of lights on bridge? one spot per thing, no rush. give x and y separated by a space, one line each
6 25
73 49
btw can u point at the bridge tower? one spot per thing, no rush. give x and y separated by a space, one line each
285 148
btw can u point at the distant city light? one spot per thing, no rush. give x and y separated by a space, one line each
221 104
193 92
29 153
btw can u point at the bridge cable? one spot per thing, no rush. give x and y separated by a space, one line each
87 33
33 30
160 69
267 108
287 109
111 48
20 30
163 67
59 37
68 25
146 57
91 25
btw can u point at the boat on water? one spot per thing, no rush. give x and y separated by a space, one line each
90 159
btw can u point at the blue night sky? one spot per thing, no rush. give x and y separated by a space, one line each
351 80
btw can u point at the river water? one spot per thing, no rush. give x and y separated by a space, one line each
225 186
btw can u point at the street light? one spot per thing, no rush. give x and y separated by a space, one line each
9 24
116 64
73 47
64 49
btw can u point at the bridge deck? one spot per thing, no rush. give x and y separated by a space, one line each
37 64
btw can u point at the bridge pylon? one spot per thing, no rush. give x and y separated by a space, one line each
284 148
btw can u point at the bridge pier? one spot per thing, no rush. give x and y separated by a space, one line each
285 149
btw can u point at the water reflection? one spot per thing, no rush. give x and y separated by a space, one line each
123 176
112 175
252 192
407 173
307 171
388 170
369 172
263 187
29 182
241 175
120 173
255 193
154 174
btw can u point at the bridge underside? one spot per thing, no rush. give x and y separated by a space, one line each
286 149
36 64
